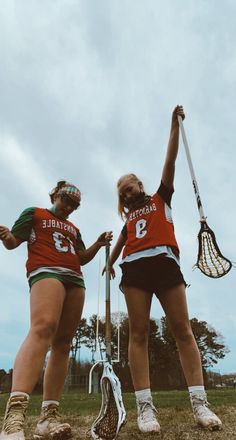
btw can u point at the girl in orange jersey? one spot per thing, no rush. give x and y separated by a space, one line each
150 264
55 253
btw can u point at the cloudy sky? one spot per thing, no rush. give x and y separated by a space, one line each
87 90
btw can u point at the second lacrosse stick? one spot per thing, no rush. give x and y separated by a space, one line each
210 260
112 414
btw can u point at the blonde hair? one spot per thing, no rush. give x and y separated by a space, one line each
123 211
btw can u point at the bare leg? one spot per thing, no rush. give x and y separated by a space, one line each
138 304
46 302
174 304
56 370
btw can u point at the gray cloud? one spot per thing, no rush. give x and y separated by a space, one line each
87 91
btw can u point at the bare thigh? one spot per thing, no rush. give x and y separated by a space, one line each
46 303
71 314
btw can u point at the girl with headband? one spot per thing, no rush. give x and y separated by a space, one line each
56 253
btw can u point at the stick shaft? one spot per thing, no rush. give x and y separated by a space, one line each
108 307
97 325
191 169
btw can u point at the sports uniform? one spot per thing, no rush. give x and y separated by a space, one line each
150 259
53 246
55 250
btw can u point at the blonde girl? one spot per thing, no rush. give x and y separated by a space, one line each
150 265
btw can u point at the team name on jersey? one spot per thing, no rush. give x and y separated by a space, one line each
142 211
51 223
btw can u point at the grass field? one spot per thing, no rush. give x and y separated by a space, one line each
174 414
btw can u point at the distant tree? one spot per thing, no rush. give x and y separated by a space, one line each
173 377
2 374
121 368
160 356
6 381
79 339
90 336
120 324
165 368
210 343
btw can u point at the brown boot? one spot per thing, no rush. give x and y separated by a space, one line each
14 418
49 425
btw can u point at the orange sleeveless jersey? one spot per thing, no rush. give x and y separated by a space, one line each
150 226
52 242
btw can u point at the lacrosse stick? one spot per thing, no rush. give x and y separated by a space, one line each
112 413
210 260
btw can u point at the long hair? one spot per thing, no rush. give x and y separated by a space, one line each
123 211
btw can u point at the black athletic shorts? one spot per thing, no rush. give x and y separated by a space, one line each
153 274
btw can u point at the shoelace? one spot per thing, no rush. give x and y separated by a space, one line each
147 410
203 411
50 413
15 417
200 405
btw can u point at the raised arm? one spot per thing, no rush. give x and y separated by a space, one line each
8 239
172 148
88 254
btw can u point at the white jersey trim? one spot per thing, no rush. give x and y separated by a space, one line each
57 270
152 252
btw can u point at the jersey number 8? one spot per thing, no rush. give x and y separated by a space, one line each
140 228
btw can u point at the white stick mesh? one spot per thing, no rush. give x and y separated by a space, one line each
210 260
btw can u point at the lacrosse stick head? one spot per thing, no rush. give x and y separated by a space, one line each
112 414
210 260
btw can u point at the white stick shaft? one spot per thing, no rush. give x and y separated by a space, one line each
118 328
98 311
190 164
108 306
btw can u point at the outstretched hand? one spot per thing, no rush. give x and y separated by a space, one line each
105 238
5 233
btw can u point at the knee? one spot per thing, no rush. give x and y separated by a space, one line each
139 336
183 333
62 344
44 330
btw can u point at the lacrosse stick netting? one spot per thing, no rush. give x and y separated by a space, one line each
210 260
112 414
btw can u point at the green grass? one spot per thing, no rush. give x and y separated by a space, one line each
74 403
174 414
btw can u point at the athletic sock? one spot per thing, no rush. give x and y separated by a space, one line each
19 393
142 395
49 402
196 389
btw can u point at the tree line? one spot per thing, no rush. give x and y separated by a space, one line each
165 368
